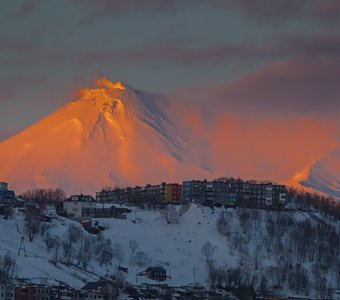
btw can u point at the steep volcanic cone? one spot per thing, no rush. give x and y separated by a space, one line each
111 135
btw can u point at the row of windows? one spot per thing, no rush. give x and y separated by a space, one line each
158 274
41 291
94 296
7 295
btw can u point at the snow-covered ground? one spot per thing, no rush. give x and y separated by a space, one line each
176 247
36 265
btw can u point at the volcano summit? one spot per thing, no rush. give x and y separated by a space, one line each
110 135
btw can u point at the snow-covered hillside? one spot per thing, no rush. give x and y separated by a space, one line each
257 245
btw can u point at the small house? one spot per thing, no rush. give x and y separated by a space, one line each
104 289
110 211
155 273
79 206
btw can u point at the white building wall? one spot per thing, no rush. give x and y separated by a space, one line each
76 207
73 208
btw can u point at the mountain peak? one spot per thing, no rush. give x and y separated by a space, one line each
105 95
104 82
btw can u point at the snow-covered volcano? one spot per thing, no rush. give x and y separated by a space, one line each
111 135
324 175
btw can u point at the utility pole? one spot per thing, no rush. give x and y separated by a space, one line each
22 246
193 275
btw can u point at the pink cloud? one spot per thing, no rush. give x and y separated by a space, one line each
300 86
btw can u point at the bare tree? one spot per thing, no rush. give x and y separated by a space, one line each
8 212
56 250
31 225
50 241
234 277
244 255
74 233
133 246
105 253
68 252
49 196
85 252
223 223
257 259
118 252
170 214
245 220
140 259
44 228
208 250
7 267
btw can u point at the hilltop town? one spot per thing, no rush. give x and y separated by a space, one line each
195 240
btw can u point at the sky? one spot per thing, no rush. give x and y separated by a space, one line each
223 49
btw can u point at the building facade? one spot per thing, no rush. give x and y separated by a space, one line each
79 206
232 192
173 192
222 191
7 291
134 195
35 292
109 196
194 191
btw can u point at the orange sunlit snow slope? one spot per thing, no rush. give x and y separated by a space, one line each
106 137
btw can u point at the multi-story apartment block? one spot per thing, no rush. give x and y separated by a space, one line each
225 193
194 191
173 192
138 194
257 194
109 196
231 192
222 191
